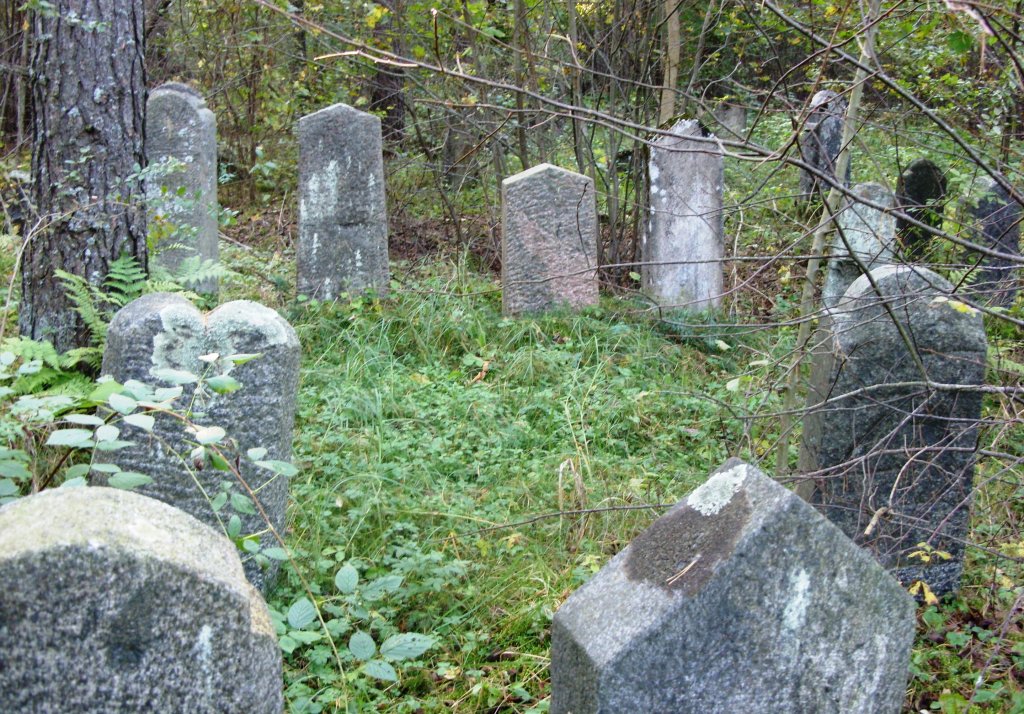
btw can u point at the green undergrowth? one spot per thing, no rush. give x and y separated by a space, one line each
437 443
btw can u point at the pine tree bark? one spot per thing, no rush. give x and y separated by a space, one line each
89 94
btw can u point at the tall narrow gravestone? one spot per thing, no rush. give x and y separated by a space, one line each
893 458
740 599
821 141
156 337
549 240
113 602
181 193
998 219
683 247
920 191
733 120
343 227
864 237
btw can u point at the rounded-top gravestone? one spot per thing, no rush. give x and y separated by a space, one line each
114 602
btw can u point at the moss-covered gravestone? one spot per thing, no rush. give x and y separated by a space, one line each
740 599
114 602
158 336
549 241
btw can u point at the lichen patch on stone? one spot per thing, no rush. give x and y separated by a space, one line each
717 491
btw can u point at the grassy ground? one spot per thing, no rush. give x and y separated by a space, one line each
439 442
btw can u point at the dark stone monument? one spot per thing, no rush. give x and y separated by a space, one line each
892 458
740 599
821 142
998 219
114 602
920 193
343 226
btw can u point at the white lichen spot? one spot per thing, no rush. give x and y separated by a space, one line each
796 609
654 172
717 491
203 647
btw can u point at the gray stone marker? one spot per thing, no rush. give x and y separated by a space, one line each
920 192
114 602
998 219
182 133
893 460
733 120
821 141
868 232
165 331
683 247
343 226
549 241
739 599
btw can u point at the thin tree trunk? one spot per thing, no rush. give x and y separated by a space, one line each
577 91
671 74
89 92
821 234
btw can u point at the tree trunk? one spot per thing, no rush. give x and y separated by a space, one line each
89 93
671 62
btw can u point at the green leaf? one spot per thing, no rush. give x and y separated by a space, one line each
107 432
7 487
14 469
234 527
74 483
361 645
113 445
287 644
218 501
408 645
257 453
166 394
243 358
122 403
175 376
306 637
70 437
209 434
276 553
141 421
281 468
105 468
76 471
224 384
960 41
379 669
346 579
217 461
242 504
301 613
128 480
377 588
84 419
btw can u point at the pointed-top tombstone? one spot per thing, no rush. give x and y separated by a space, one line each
549 241
740 599
682 247
181 194
343 226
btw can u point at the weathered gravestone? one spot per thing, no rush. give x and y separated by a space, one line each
181 195
997 226
920 191
863 235
893 459
113 602
162 332
683 247
821 141
739 599
549 240
343 227
733 120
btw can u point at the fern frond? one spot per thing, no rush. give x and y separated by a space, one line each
125 281
89 303
30 350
